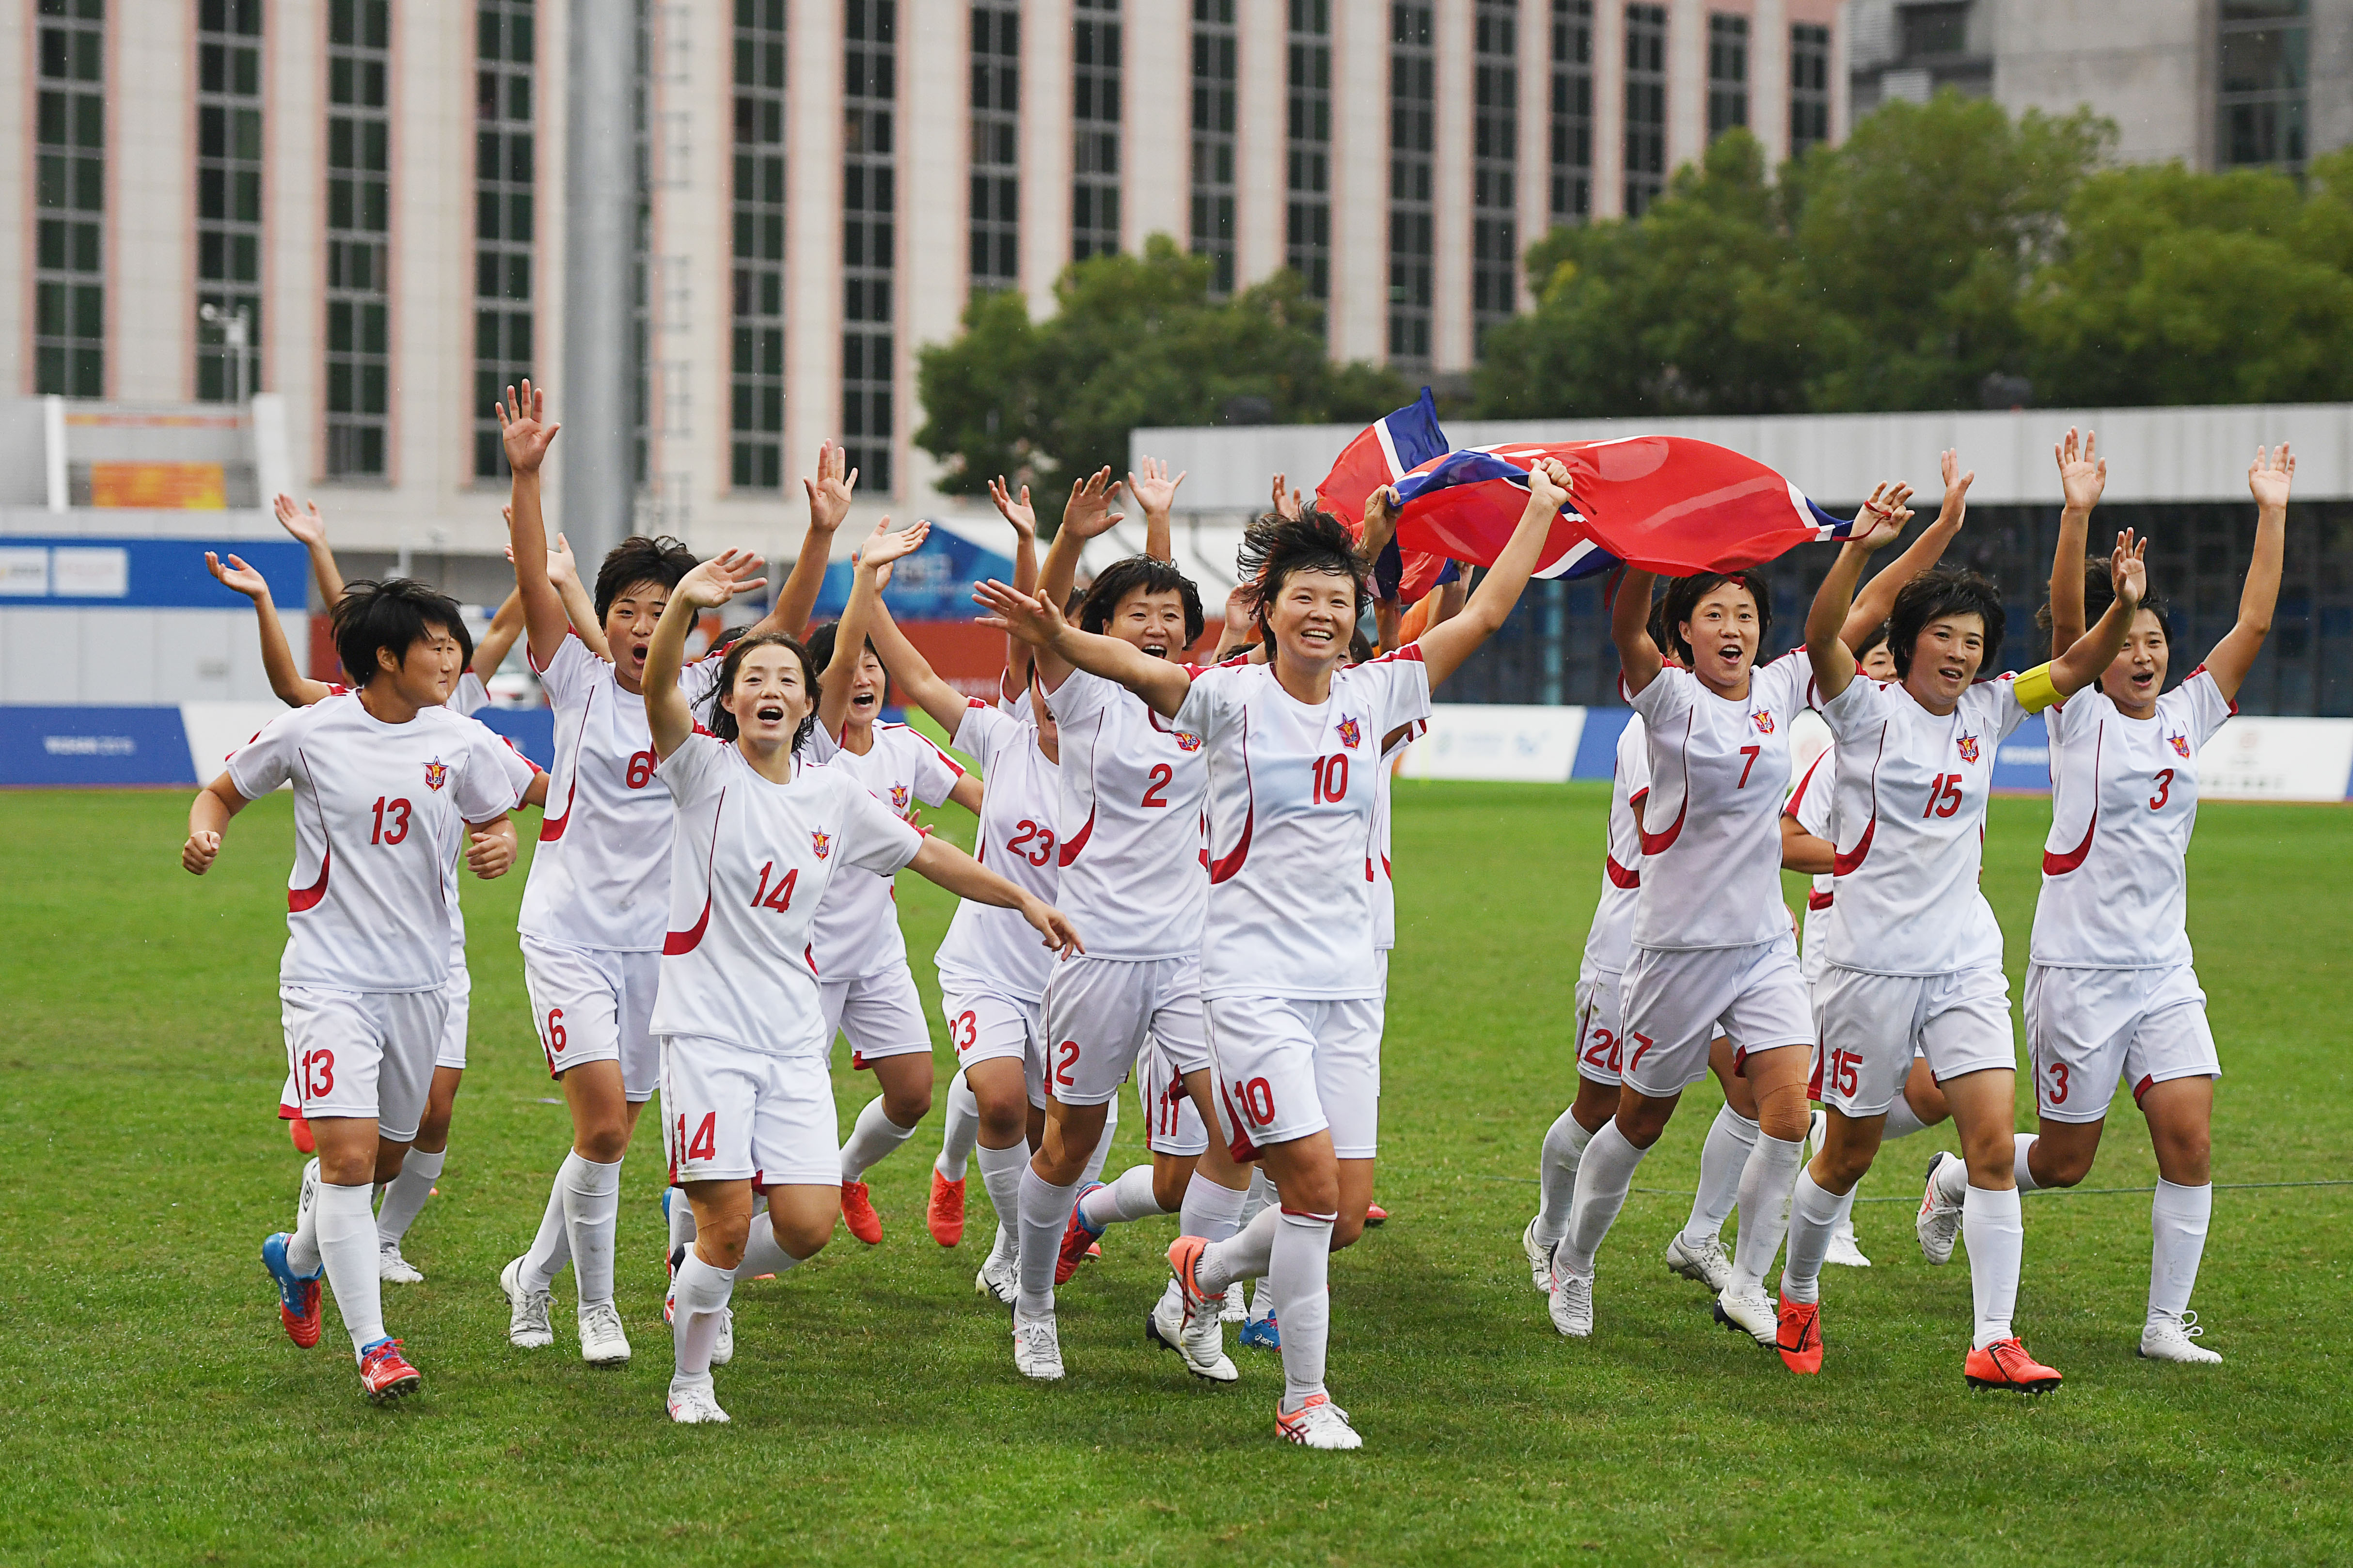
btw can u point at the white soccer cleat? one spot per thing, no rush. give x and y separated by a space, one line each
999 1275
393 1269
1539 1258
527 1325
2176 1339
1843 1248
1753 1314
723 1349
602 1342
1316 1423
1236 1308
1199 1339
1702 1261
1036 1347
695 1403
1572 1304
1939 1223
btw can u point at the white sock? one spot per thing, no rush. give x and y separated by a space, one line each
1603 1178
1723 1161
1996 1237
960 1130
1953 1180
874 1136
347 1247
1815 1215
406 1194
763 1253
551 1249
1261 1303
1902 1122
1261 1193
1118 1202
701 1296
1045 1211
1764 1186
1299 1270
1564 1146
1209 1210
592 1209
2177 1216
680 1215
1000 1172
303 1243
1245 1255
2026 1182
1093 1171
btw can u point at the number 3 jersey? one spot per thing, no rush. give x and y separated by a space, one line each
598 874
1293 847
988 949
380 813
750 862
2124 802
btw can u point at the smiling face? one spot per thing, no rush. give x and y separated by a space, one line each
2137 674
770 696
1153 622
1944 660
427 672
1723 634
1879 663
1313 614
869 686
629 622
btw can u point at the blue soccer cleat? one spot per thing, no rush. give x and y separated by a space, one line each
298 1296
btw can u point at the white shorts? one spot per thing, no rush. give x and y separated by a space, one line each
734 1114
880 1014
1873 1025
459 990
1673 1004
1172 1122
1600 1057
1289 1068
987 1027
361 1053
1099 1011
2087 1027
595 1005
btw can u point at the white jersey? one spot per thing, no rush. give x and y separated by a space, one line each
2124 802
1134 790
1813 806
1385 886
471 696
750 867
380 813
858 926
1912 792
1293 851
991 949
1611 938
1711 828
602 860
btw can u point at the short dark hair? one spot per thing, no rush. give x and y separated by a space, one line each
2100 592
393 613
820 649
1140 574
1685 594
723 723
1876 636
1274 547
1933 594
638 558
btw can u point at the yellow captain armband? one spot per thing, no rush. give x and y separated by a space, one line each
2035 690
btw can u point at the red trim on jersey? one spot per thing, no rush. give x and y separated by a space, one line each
300 899
684 941
1845 863
1815 900
1077 841
1638 796
1798 794
2202 669
1411 650
1814 1081
2060 864
1619 876
1227 866
551 828
1659 843
808 953
2142 1087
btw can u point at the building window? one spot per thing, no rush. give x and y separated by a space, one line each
1413 92
1095 115
1936 29
70 277
2262 81
995 145
359 224
756 383
870 201
228 195
505 45
1572 110
1215 90
1646 106
1727 74
1809 87
1307 148
1494 164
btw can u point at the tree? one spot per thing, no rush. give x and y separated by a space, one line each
1135 340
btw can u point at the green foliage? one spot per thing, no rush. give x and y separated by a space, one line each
1135 340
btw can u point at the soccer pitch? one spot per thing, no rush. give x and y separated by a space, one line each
155 1412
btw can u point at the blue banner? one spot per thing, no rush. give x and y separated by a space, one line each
43 745
144 573
934 583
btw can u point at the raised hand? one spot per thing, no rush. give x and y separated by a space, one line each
883 546
2128 568
1019 514
2082 472
1290 505
1036 621
1883 517
308 526
1088 512
524 427
1154 491
719 579
1241 605
1956 483
1549 482
563 570
2269 478
829 492
236 575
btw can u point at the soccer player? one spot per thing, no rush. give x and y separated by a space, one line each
2110 988
759 832
396 781
1915 952
1289 977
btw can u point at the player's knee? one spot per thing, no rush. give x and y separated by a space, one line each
1002 1123
2185 1157
720 1240
1169 1180
1641 1122
1782 1112
2055 1165
802 1236
1845 1166
601 1141
1346 1229
908 1106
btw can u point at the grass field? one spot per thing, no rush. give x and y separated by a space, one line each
151 1410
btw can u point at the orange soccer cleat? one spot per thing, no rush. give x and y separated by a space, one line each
386 1374
1078 1238
946 1214
2005 1364
858 1213
1801 1337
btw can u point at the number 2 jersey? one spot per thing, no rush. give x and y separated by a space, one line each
380 815
751 861
1293 883
858 930
989 948
2124 802
1134 791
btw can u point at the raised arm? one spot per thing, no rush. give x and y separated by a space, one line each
2269 478
578 606
828 503
1639 658
1877 600
525 431
1086 514
2083 475
942 863
1024 519
669 716
1038 622
1156 493
1444 648
312 529
286 677
881 548
1826 648
914 673
1380 525
505 627
2097 649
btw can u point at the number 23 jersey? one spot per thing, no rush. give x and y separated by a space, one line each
986 948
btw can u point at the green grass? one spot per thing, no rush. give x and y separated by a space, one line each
151 1411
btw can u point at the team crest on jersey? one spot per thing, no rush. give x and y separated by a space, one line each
1349 734
2181 744
1969 745
821 841
1764 719
437 774
898 798
1186 741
